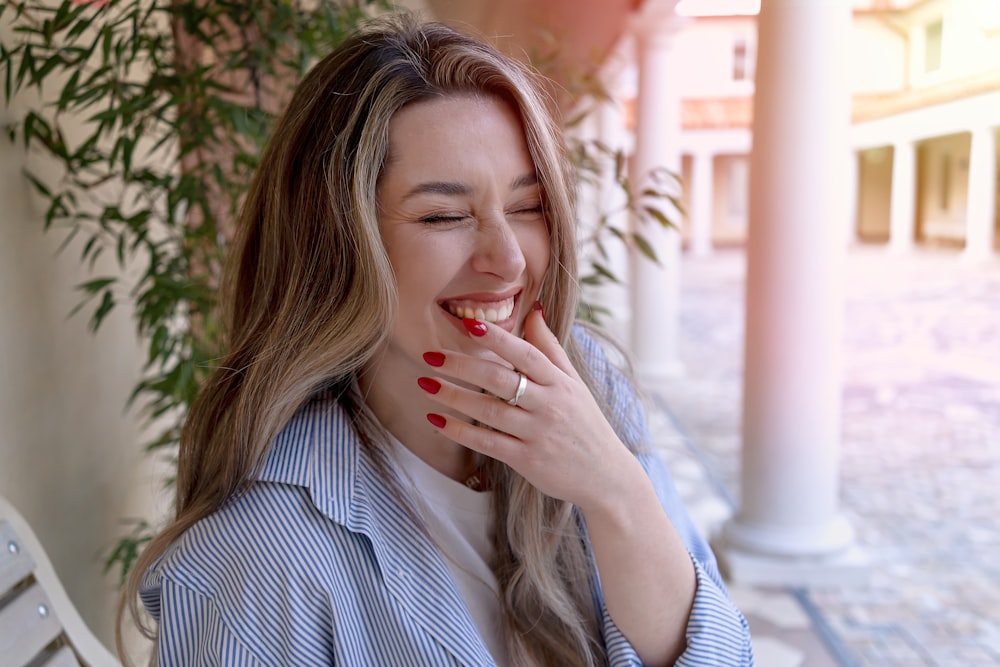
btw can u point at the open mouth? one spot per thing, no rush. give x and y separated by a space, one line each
485 311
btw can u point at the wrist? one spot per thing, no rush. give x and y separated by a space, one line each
616 503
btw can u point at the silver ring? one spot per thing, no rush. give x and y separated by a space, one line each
522 384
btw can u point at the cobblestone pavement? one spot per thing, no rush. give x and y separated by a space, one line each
920 467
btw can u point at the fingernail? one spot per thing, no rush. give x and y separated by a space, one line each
474 327
429 385
437 420
434 358
538 306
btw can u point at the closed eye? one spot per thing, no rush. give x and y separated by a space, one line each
439 219
528 210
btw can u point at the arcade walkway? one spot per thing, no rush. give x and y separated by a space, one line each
920 458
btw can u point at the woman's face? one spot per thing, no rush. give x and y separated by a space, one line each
460 213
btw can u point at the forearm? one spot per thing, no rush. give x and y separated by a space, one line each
647 577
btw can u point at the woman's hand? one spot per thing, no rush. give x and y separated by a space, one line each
556 436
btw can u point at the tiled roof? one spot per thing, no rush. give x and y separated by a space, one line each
716 113
869 107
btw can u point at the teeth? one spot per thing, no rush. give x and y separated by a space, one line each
495 312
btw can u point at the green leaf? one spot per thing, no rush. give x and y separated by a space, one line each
618 234
659 216
7 60
678 204
96 285
26 68
605 273
645 248
68 93
38 185
126 551
106 306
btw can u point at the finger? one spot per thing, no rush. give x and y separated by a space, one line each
524 356
483 408
495 444
500 381
537 332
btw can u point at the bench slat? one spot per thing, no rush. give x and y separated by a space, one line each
15 561
27 625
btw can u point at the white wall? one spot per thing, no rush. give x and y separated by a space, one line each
69 454
970 38
878 55
704 50
71 457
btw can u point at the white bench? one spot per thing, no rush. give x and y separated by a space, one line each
39 626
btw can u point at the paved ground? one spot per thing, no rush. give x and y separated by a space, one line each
920 458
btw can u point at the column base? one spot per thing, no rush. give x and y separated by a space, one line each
847 568
901 249
975 256
846 565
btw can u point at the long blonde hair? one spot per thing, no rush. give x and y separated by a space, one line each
310 294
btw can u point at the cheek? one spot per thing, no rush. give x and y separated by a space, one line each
423 266
535 246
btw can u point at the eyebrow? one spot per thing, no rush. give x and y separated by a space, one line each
524 181
449 189
455 189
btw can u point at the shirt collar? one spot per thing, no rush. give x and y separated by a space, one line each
320 451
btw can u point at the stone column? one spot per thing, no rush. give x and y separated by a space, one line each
851 200
788 528
982 204
656 287
902 198
702 195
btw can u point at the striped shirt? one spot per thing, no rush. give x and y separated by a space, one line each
320 564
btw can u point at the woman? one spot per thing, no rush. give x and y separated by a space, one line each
402 460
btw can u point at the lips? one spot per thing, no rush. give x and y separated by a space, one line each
495 310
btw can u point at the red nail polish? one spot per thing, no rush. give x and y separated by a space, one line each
474 327
429 385
434 358
437 420
538 306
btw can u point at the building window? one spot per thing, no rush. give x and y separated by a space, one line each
932 45
741 60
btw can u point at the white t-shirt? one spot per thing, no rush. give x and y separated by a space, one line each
458 519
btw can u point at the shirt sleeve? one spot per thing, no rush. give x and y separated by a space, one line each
193 633
717 634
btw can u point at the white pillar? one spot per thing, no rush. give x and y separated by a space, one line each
656 287
788 529
702 194
851 200
982 203
902 199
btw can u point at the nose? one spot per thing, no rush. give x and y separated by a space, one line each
498 249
